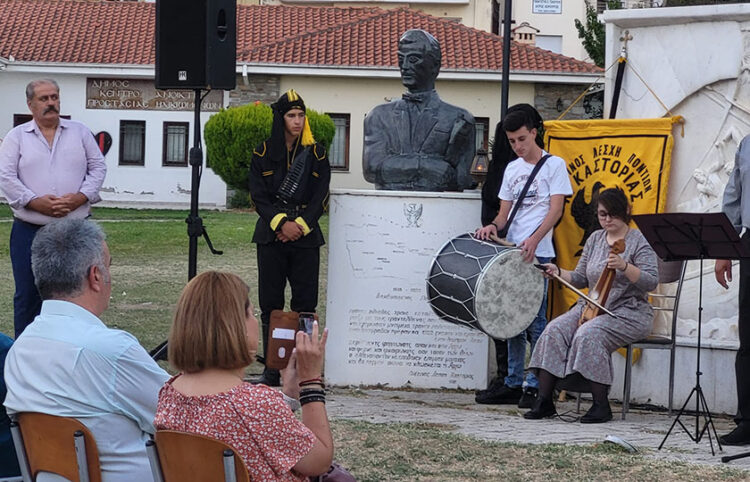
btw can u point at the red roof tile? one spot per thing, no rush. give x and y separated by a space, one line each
77 31
86 32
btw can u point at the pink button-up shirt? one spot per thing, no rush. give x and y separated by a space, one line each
29 168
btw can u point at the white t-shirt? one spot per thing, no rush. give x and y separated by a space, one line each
551 179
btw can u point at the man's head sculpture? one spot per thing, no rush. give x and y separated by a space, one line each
419 59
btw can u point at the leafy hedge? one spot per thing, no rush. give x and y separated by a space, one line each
232 134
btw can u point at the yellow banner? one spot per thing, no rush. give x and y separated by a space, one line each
631 154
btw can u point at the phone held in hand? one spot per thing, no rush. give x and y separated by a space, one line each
282 331
306 321
283 327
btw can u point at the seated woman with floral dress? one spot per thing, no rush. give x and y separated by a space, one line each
567 348
214 336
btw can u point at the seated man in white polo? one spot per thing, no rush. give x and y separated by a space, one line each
68 363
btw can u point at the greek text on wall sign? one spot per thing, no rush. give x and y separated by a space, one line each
546 6
140 94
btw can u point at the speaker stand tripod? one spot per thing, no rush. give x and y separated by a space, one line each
687 236
194 222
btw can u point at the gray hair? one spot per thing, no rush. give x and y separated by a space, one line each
32 85
432 47
62 254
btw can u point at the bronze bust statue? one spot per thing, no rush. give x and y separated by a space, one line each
418 142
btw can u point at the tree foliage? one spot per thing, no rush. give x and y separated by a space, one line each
232 134
592 35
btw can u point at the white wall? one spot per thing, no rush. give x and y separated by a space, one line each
693 62
148 184
554 24
472 13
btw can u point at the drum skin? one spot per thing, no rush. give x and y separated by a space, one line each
484 286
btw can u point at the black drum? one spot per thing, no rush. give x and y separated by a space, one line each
485 286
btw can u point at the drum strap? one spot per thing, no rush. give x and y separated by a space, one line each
537 166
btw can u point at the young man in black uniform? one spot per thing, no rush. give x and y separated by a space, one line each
288 183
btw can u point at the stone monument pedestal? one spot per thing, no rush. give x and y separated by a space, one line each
383 331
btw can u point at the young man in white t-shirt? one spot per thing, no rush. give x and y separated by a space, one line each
530 230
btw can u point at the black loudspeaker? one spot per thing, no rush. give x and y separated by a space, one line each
196 44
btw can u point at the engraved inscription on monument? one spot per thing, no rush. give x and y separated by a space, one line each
377 310
140 94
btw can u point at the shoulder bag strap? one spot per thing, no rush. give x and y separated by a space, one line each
533 174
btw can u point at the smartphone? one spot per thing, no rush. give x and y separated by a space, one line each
306 321
282 328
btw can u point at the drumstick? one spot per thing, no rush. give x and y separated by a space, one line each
583 295
501 241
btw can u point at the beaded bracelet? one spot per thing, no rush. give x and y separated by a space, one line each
308 384
312 398
315 391
311 381
311 391
307 396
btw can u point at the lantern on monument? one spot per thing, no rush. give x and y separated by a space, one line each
479 166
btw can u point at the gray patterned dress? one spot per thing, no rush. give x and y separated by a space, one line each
564 348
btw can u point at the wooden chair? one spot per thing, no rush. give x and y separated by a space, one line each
60 445
670 272
181 457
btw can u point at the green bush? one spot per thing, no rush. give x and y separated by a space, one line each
239 199
232 134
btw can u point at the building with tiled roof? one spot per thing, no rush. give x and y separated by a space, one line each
377 31
342 60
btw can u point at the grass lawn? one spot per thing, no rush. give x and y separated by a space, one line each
428 452
149 250
149 264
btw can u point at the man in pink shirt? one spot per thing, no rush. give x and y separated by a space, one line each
49 168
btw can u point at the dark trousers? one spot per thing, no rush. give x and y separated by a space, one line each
277 263
501 357
26 300
742 362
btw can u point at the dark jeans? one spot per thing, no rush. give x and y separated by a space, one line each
501 357
26 301
277 263
742 362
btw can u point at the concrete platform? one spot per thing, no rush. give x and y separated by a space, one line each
505 423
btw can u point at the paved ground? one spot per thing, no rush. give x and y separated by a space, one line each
643 429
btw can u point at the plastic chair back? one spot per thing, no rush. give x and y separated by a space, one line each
180 457
60 445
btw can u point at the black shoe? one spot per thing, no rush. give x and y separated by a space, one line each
503 395
269 377
739 436
598 413
528 397
541 408
495 384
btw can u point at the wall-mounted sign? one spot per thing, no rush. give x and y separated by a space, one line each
140 94
546 6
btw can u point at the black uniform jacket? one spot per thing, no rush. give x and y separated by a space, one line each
264 180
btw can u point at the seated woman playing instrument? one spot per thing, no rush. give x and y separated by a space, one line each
567 346
214 336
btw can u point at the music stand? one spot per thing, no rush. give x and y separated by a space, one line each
682 237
